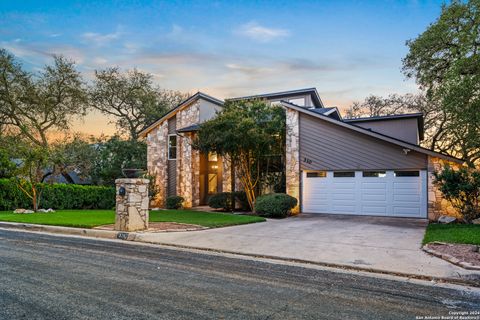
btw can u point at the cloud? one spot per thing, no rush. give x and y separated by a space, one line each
260 33
100 39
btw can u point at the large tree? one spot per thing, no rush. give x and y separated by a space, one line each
131 99
445 61
251 134
34 105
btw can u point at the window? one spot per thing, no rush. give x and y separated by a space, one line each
212 156
407 173
344 174
317 174
374 174
172 146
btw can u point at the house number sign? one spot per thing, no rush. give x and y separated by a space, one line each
306 160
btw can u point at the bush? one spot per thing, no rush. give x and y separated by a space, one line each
174 202
275 205
222 200
57 196
462 188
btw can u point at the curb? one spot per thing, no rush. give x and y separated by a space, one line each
449 258
137 237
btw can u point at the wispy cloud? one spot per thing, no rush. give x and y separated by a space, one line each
101 39
260 33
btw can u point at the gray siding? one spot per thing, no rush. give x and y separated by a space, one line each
403 129
207 110
172 164
326 146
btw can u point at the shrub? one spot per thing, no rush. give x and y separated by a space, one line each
57 196
222 200
275 205
462 188
174 202
241 197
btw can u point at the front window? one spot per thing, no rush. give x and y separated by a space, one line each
172 147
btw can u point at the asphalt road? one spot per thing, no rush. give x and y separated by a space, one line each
48 277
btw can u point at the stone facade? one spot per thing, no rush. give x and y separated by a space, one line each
185 155
292 157
157 161
132 207
437 205
226 175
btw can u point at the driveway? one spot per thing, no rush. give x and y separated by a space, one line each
389 244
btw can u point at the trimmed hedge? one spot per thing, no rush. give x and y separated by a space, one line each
174 202
275 205
58 196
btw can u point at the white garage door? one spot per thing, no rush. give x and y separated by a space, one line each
381 193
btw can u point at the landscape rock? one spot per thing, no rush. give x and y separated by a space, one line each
476 221
46 210
446 219
19 211
28 211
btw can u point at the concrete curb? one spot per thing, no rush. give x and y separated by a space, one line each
449 258
136 236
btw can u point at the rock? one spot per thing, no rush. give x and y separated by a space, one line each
446 219
50 210
474 248
28 211
19 211
476 221
42 210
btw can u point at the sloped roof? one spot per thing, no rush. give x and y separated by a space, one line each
182 104
374 134
285 94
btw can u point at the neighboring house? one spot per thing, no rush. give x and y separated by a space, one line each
364 166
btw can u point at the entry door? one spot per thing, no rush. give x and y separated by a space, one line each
395 193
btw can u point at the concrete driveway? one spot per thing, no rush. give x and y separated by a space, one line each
389 244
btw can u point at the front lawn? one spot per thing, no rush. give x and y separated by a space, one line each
453 233
94 218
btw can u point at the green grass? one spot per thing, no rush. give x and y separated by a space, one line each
94 218
453 233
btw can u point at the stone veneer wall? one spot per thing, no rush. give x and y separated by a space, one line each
292 156
157 161
437 205
226 175
186 166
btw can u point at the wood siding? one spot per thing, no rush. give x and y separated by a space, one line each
172 164
326 146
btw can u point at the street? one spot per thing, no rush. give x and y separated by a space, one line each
49 277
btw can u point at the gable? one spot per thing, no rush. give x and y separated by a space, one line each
326 146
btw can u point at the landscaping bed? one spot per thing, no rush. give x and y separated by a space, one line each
464 255
455 243
95 218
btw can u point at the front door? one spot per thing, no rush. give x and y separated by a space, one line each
210 176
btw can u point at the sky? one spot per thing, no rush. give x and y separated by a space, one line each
348 50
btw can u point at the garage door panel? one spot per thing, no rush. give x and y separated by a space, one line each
388 195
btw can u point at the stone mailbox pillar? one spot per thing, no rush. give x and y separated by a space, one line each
132 204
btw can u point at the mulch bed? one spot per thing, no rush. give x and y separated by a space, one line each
161 227
459 254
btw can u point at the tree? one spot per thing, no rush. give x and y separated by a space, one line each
35 105
131 98
445 61
250 134
115 154
436 138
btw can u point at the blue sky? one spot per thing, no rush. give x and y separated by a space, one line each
346 49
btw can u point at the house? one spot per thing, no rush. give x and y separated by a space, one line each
364 166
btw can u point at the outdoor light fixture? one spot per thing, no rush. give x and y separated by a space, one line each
122 191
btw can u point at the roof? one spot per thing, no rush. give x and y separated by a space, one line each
182 104
374 134
193 127
331 112
418 115
285 94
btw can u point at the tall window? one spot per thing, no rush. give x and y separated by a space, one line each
172 146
